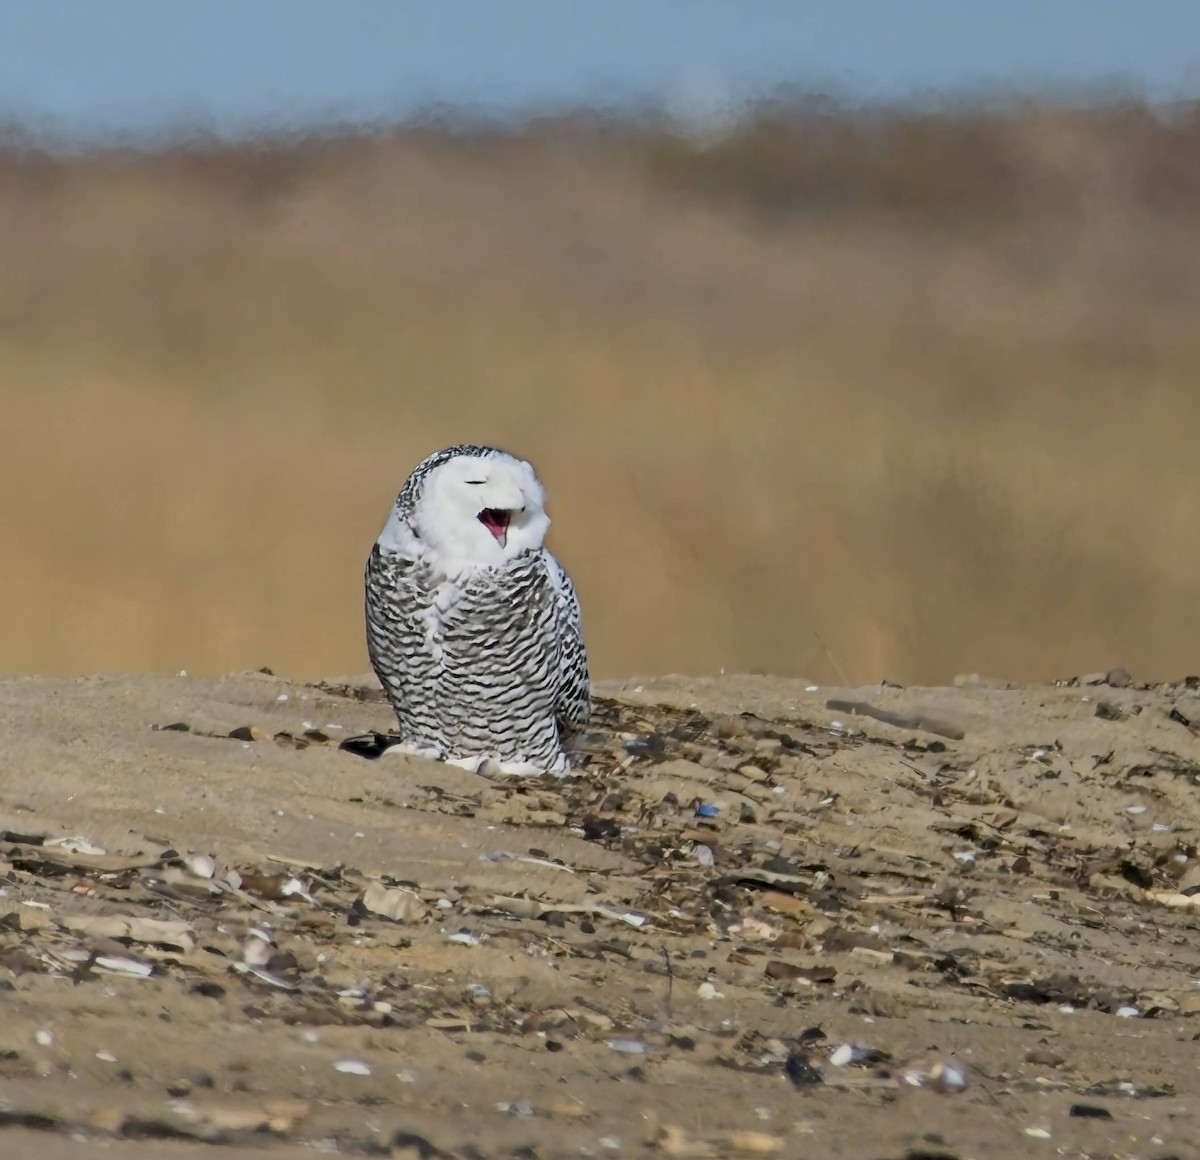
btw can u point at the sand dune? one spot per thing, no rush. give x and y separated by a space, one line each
876 940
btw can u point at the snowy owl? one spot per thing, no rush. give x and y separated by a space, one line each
473 626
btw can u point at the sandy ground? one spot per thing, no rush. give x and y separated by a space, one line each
751 925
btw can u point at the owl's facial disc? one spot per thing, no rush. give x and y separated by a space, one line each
496 521
497 491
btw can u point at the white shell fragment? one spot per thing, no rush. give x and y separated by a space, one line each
352 1067
201 865
296 887
628 1046
843 1055
632 917
132 968
256 952
508 856
947 1077
76 844
264 977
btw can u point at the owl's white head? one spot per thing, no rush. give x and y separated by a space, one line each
473 511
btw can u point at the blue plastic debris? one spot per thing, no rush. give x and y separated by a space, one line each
704 810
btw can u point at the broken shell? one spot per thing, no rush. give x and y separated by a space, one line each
256 953
845 1054
394 902
947 1078
132 968
201 865
296 886
264 977
76 844
628 1046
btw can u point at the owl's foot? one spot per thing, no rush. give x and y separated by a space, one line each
490 767
410 749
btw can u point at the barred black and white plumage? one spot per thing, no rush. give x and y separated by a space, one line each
473 626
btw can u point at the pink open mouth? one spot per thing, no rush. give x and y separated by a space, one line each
496 522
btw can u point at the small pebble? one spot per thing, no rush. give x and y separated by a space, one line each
628 1046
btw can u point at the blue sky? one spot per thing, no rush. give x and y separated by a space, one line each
86 65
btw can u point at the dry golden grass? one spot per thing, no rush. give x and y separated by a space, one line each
818 397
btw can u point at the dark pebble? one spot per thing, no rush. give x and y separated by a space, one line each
424 1149
800 1071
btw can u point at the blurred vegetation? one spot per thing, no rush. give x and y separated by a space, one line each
893 391
942 168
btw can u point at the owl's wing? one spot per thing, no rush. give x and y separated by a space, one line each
385 617
573 704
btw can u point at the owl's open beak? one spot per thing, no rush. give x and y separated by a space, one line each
496 522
